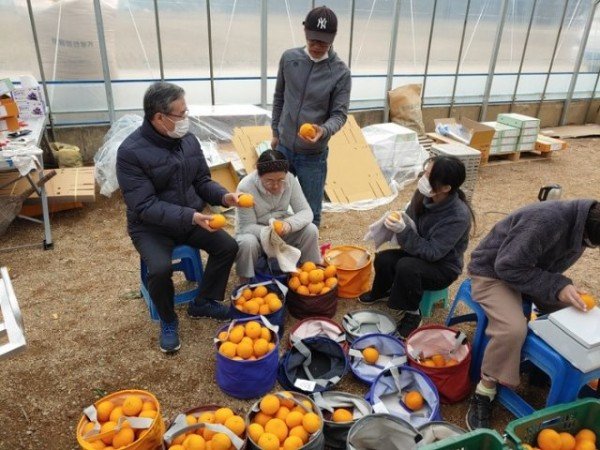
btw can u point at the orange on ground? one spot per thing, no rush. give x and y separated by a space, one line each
221 441
254 431
116 413
104 409
123 437
236 424
245 201
300 432
268 441
132 405
228 349
307 131
275 304
251 307
292 443
330 271
303 290
567 440
308 266
261 347
585 445
217 221
261 418
315 288
294 283
107 427
260 291
247 293
586 434
252 329
194 442
222 414
413 400
293 419
311 422
265 334
316 276
331 282
269 404
278 428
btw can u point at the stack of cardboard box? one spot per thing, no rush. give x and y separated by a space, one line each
9 112
529 127
505 139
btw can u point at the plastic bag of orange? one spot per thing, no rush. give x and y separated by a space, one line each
131 417
353 269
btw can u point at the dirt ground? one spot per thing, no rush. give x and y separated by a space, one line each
88 331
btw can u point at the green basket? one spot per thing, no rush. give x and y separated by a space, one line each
483 439
569 417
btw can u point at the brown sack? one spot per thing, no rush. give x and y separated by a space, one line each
405 107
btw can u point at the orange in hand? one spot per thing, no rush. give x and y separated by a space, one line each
278 227
394 215
245 201
307 131
217 221
589 301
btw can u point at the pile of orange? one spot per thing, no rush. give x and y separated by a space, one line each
205 439
109 412
438 360
312 280
283 423
258 301
549 439
246 342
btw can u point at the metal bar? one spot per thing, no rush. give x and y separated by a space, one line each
38 54
560 28
104 59
493 61
352 12
460 50
391 61
263 53
435 2
210 54
159 42
593 95
584 40
522 62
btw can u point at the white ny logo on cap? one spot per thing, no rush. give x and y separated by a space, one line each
322 23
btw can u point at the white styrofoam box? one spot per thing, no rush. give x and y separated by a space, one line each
518 120
513 140
382 130
526 147
574 334
527 139
530 132
503 130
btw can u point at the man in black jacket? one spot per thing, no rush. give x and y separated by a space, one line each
166 182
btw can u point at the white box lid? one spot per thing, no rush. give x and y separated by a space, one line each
584 327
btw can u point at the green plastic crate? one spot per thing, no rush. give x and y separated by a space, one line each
570 417
475 440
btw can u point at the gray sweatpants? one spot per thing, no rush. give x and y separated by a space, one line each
306 240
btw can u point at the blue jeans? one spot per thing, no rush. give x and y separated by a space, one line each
311 171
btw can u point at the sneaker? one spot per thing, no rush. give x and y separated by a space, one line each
210 309
368 299
169 336
408 324
479 414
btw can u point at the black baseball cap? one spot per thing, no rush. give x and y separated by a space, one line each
321 24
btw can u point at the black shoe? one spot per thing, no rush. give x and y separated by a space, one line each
368 299
169 337
408 324
479 414
208 309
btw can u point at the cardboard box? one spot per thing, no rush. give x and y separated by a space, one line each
30 109
353 173
225 175
481 135
35 94
547 144
9 124
8 108
69 185
502 130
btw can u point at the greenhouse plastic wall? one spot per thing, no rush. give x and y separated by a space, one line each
97 57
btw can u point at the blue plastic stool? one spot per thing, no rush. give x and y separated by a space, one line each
187 260
430 298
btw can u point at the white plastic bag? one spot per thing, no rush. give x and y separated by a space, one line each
106 158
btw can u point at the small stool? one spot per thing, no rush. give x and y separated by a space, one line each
186 259
430 298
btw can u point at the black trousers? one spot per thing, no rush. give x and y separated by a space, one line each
405 277
156 249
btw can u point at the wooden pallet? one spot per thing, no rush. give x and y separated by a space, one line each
515 157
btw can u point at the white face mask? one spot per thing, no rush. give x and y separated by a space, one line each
181 128
424 187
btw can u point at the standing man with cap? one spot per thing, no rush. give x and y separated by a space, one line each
313 86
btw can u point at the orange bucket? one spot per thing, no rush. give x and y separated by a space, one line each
353 269
149 439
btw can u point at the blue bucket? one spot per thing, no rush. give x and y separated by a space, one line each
391 353
387 393
272 285
247 378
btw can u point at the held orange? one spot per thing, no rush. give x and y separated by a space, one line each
217 221
394 215
246 201
589 301
307 131
278 227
